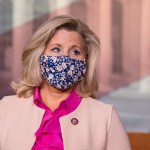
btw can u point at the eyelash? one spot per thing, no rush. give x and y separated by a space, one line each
74 51
56 49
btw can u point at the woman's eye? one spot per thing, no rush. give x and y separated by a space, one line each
56 49
75 52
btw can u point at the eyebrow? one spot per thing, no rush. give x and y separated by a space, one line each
77 46
55 45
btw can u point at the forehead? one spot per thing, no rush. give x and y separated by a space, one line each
63 36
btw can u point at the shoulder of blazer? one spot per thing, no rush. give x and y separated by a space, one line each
14 107
14 98
19 120
13 102
96 105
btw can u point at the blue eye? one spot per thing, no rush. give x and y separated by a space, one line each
57 50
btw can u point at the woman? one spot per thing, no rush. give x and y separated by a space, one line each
54 106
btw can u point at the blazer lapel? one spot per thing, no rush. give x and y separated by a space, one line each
36 122
75 130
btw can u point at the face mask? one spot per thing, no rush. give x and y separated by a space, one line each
62 72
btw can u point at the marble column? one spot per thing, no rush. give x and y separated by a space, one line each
145 47
22 31
105 63
59 7
131 39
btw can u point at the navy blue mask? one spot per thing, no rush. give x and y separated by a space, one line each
62 72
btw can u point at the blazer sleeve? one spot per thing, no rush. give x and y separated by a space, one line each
117 138
1 114
0 120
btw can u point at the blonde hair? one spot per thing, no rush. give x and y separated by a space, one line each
31 75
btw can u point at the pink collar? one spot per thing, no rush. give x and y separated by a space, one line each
70 102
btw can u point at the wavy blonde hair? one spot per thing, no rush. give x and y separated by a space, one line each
31 75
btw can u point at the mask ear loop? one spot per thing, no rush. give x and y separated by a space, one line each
86 51
86 57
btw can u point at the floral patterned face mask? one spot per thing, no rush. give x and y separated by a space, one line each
62 72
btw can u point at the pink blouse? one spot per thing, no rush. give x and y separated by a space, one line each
48 136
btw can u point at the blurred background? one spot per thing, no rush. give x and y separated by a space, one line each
123 69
